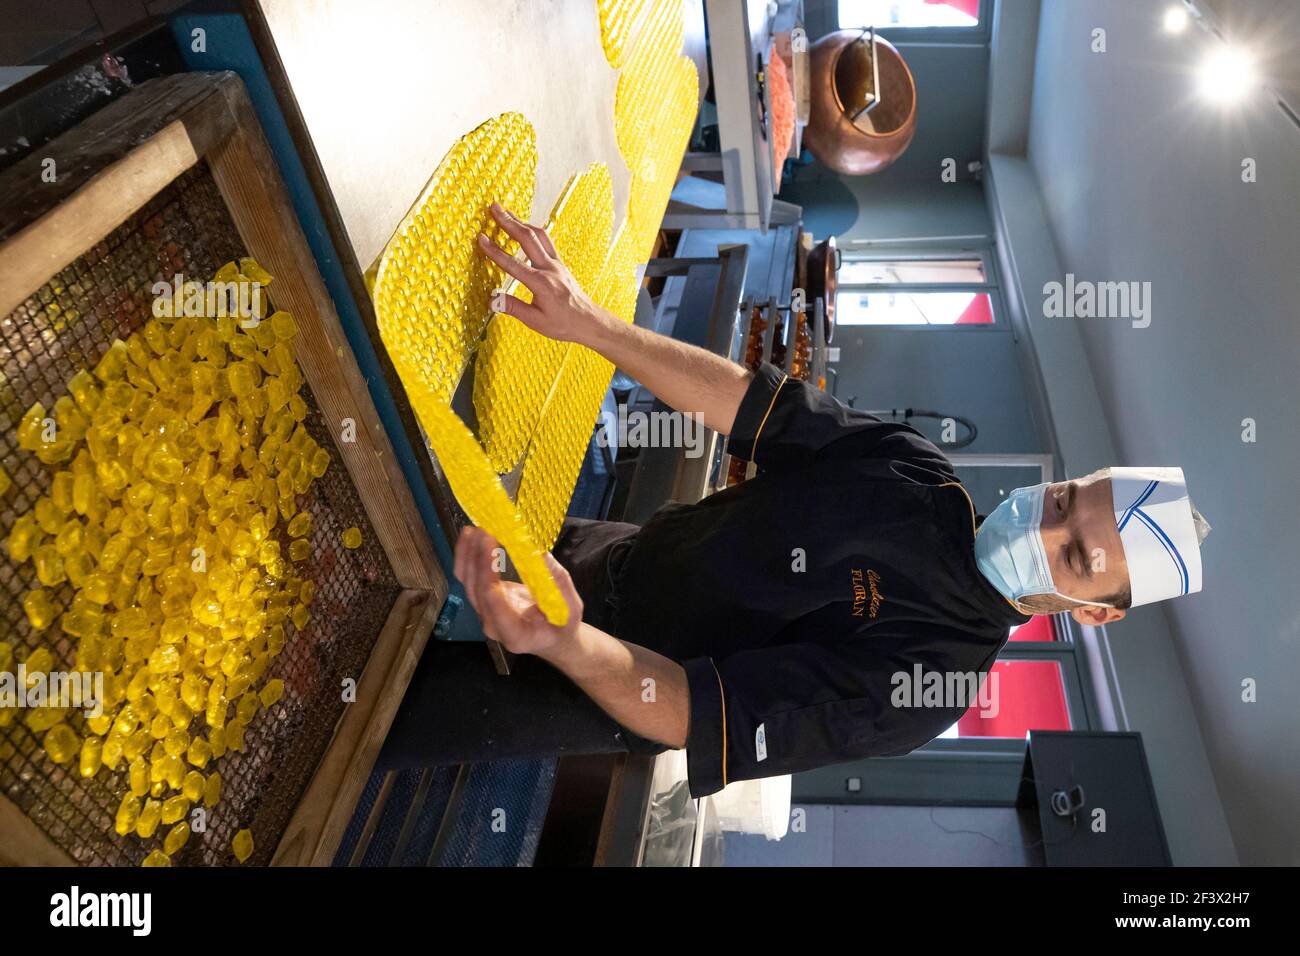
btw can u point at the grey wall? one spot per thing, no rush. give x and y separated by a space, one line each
965 372
890 836
876 207
1142 181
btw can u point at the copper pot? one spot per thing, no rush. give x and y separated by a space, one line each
842 72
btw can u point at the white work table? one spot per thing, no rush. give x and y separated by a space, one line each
386 87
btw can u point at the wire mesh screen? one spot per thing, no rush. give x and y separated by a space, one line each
66 326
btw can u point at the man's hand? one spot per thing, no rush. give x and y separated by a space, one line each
508 612
560 309
690 379
611 672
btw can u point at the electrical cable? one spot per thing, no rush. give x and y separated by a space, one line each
907 414
1074 825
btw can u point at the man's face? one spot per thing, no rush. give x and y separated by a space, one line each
1083 545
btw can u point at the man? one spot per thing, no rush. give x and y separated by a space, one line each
766 628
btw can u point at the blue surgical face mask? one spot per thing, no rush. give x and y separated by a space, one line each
1009 548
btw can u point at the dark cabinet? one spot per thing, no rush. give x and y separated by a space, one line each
1090 795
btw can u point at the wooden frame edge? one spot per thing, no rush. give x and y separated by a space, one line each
315 830
26 844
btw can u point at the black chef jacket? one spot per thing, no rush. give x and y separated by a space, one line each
794 598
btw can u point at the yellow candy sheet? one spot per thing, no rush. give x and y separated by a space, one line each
432 292
536 400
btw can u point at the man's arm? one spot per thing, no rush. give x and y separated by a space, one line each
688 378
644 691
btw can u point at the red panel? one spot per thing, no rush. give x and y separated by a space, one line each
979 312
1030 695
969 7
1039 628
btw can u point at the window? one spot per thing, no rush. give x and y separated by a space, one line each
905 271
940 288
913 308
886 14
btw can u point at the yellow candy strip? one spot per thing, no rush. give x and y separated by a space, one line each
639 95
432 289
619 20
516 368
654 168
479 491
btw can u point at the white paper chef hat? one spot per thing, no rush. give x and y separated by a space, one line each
1160 530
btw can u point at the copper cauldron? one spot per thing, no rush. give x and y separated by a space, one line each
842 75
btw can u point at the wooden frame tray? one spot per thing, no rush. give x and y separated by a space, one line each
108 168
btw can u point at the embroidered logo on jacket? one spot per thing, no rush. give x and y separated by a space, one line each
866 593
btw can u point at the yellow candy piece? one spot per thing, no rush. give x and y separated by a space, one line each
192 787
199 753
41 719
247 707
150 816
84 391
250 269
138 774
61 743
235 735
156 858
242 845
284 327
31 428
24 536
212 790
272 692
176 838
352 538
39 609
112 753
174 808
39 661
92 757
128 813
320 463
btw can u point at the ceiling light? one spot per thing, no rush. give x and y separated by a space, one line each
1176 19
1227 75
